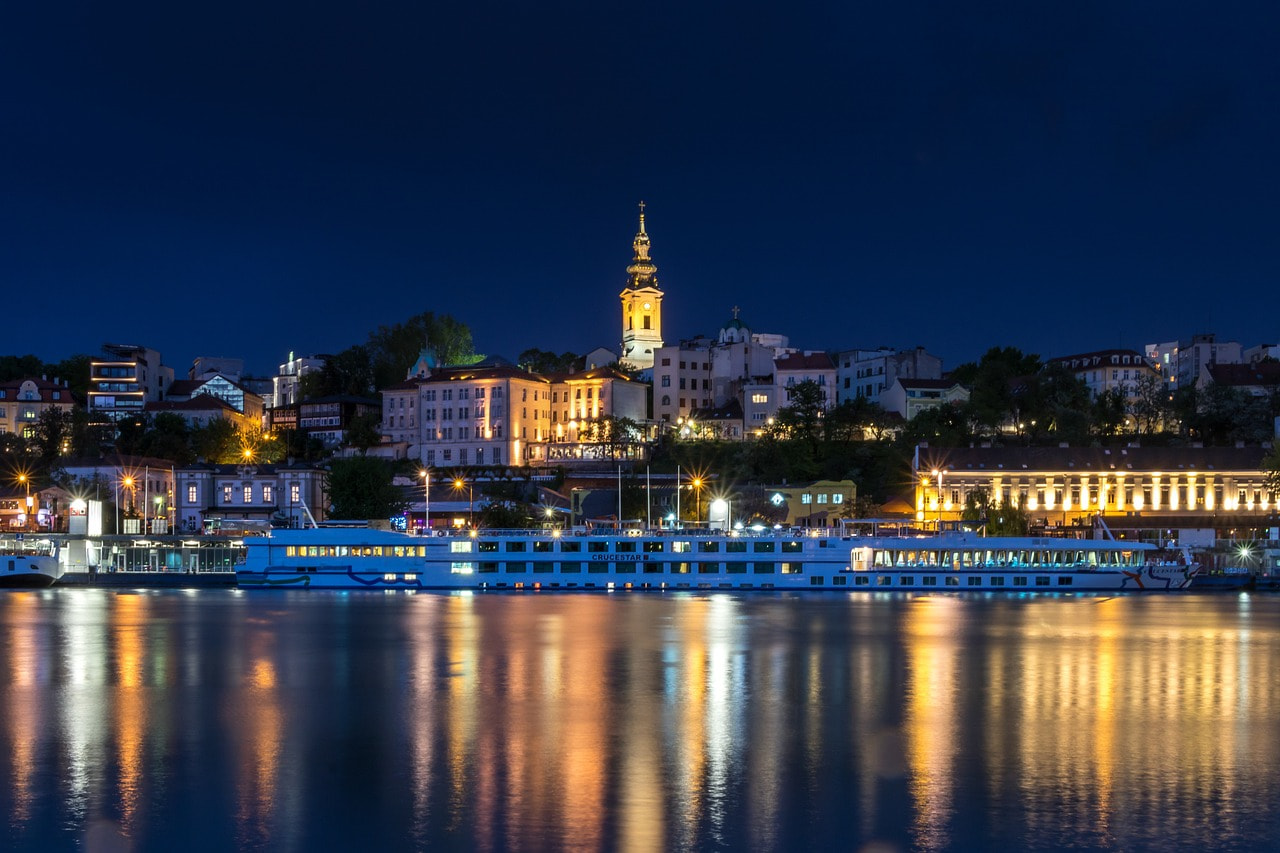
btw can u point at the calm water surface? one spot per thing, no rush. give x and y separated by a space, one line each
220 720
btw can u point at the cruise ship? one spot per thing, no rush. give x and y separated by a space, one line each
810 559
28 561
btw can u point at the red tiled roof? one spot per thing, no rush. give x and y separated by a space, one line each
1244 375
797 361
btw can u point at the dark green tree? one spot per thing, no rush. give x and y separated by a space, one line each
801 419
393 349
362 432
218 442
544 361
361 488
169 437
52 436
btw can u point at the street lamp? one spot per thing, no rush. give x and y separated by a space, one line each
425 474
937 481
696 483
458 483
25 481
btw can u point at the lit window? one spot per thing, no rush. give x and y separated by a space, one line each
806 498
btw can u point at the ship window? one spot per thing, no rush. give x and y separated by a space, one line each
488 568
653 547
930 580
681 568
792 568
570 568
488 546
571 547
791 547
1064 581
997 581
625 547
1042 580
541 547
907 580
975 581
883 580
708 568
515 546
953 581
736 568
517 568
735 547
709 547
760 547
598 547
860 580
389 576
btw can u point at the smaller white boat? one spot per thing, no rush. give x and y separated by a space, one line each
28 563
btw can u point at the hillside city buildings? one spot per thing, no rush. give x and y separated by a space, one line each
727 386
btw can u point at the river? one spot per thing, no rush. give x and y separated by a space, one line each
303 721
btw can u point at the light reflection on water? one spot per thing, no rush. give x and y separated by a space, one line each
301 721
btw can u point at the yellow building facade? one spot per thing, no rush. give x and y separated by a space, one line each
1152 487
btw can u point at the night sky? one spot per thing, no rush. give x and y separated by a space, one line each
246 179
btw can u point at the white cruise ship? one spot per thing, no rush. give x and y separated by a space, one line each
362 558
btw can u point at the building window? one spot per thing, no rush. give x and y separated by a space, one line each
226 494
191 493
246 494
295 493
267 494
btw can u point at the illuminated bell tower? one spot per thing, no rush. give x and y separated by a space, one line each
641 305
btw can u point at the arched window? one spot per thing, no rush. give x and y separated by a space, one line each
666 399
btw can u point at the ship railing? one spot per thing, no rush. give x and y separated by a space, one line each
789 533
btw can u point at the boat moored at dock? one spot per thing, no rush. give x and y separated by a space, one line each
27 562
810 559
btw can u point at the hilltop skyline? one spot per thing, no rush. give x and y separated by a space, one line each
246 182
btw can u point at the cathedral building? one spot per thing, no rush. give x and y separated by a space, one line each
641 305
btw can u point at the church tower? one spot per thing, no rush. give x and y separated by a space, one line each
641 305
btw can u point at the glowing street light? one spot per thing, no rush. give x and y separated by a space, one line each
425 474
458 483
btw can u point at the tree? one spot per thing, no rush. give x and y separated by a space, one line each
169 437
1271 465
544 361
1000 519
1107 413
992 381
218 442
361 487
52 435
1150 408
801 418
392 350
362 432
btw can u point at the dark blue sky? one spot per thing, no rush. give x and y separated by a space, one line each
246 179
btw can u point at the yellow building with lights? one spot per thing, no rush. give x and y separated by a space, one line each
641 305
1220 488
